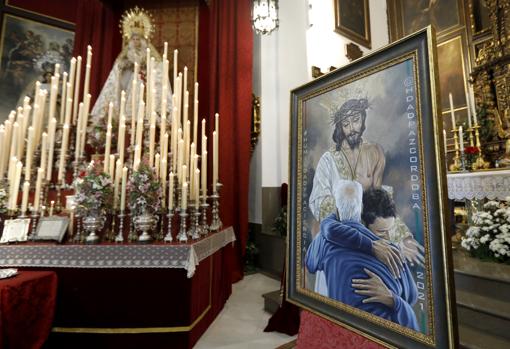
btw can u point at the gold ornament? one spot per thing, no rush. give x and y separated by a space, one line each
136 21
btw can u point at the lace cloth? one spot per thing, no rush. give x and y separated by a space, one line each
479 185
185 256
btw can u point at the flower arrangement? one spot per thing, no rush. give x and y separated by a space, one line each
489 237
471 154
144 190
93 190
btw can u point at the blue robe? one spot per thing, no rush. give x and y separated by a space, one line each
342 250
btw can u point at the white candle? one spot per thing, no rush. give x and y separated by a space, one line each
184 201
186 143
14 140
445 143
53 97
107 149
52 206
63 151
123 194
44 146
69 106
77 86
204 173
180 159
165 147
196 192
175 67
122 135
63 97
3 154
30 147
24 200
192 169
163 176
185 82
452 112
171 191
461 139
111 167
51 148
87 70
79 133
195 121
72 75
15 186
152 140
12 170
215 160
38 185
118 175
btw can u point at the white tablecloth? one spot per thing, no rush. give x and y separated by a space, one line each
479 185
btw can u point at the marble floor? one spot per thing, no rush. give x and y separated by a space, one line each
241 323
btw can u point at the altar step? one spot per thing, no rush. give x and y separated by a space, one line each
483 302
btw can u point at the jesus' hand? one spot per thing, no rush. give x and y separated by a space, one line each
374 288
412 251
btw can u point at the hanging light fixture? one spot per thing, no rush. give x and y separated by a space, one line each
264 16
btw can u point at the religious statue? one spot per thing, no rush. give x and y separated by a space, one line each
136 28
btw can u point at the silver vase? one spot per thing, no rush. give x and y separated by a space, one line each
144 223
93 223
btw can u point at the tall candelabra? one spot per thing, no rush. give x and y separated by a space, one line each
456 166
216 223
204 226
194 221
120 235
182 236
168 236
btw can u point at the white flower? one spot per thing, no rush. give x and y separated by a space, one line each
485 238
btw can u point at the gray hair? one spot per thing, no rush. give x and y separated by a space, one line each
348 199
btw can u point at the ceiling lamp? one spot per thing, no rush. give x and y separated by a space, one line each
264 16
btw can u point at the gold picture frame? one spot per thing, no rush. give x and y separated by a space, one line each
352 20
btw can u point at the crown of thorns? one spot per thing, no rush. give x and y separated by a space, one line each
349 108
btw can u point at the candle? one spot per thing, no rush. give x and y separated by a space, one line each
122 135
171 192
139 124
452 113
69 105
72 73
175 67
152 140
107 149
76 89
63 97
38 185
3 154
52 205
461 139
111 167
163 176
204 174
195 121
196 192
192 169
165 147
445 143
53 97
215 160
122 104
173 147
51 137
204 145
87 70
184 201
12 170
157 164
24 200
187 143
123 193
185 82
30 147
14 140
118 175
44 146
180 158
15 186
63 151
79 133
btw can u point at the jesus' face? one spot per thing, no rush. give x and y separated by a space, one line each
352 129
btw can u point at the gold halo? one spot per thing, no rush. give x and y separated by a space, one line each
136 21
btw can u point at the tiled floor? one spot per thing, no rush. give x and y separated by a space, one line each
241 323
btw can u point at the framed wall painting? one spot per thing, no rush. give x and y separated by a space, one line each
352 19
366 170
28 53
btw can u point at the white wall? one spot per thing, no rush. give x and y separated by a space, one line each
306 37
283 67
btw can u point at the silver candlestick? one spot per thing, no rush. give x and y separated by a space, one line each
195 217
168 237
216 223
182 236
34 218
204 226
77 237
120 237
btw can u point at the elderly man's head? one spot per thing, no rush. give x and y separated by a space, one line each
348 200
349 122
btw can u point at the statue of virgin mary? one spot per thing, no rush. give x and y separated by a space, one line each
136 28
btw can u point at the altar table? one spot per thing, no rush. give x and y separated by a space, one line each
133 296
27 307
479 185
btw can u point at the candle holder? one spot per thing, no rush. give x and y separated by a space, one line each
179 198
195 218
160 231
77 238
168 236
58 205
34 218
182 236
120 237
204 226
456 166
479 163
110 234
216 223
471 131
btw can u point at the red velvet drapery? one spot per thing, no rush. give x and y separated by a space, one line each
225 69
97 24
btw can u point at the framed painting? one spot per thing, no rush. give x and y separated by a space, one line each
28 53
368 246
51 228
352 19
479 20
